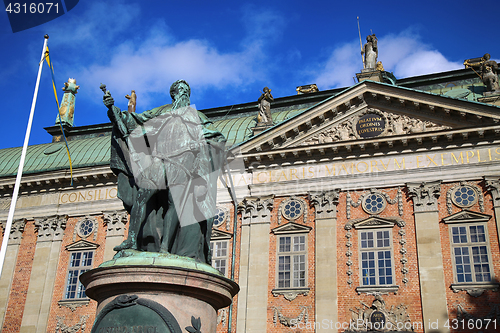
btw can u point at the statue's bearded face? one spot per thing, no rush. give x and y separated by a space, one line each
181 97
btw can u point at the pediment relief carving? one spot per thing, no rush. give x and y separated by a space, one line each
411 117
380 123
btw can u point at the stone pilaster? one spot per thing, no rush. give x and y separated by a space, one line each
430 256
115 230
39 296
326 302
254 264
15 237
493 185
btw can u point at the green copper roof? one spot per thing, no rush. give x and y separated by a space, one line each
96 151
84 153
237 130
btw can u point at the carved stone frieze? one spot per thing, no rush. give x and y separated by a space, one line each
256 210
325 203
378 318
115 223
291 321
51 229
425 195
395 124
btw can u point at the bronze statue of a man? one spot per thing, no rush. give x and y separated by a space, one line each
167 161
265 100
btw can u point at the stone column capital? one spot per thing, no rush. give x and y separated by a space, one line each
493 186
115 223
425 195
51 228
325 203
256 209
16 230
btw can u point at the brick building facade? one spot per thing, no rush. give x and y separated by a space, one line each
375 203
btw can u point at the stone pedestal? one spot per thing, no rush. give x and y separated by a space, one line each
156 298
369 74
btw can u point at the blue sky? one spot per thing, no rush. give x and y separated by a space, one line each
227 51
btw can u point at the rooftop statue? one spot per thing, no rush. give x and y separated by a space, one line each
265 107
67 109
370 52
167 161
489 69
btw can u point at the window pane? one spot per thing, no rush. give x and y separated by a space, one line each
285 244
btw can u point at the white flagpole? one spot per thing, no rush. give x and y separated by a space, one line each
10 217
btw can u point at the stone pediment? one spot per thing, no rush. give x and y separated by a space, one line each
291 228
219 234
467 216
372 222
371 115
82 245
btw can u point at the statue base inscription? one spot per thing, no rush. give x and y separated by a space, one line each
156 298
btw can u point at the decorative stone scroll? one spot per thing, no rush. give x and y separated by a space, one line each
115 223
325 203
424 195
493 185
291 321
51 228
377 318
61 327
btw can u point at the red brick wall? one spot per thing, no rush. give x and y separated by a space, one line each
290 308
478 307
408 294
20 281
69 317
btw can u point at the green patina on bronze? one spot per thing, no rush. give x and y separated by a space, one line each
130 314
167 161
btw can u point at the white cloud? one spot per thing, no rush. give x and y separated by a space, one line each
108 49
403 54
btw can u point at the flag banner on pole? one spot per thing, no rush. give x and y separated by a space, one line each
47 58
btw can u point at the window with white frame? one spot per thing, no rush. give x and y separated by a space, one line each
80 262
292 259
376 263
219 255
470 253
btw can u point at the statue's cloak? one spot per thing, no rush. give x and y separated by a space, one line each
175 151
